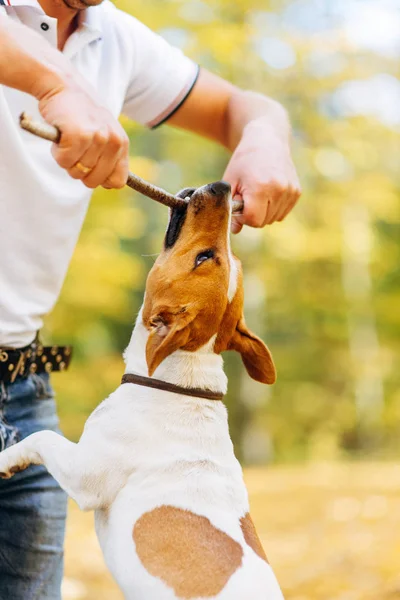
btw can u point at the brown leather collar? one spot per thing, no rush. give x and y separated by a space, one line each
170 387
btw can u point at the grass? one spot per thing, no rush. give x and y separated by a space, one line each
331 532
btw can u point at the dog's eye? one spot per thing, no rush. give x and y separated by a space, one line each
203 256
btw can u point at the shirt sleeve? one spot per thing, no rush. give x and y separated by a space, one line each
161 80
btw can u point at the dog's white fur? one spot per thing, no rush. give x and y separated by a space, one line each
142 448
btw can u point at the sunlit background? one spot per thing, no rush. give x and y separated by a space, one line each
322 288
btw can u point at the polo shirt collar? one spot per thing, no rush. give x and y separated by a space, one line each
89 19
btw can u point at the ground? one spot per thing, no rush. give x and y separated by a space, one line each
331 532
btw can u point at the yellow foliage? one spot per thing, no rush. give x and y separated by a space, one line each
324 293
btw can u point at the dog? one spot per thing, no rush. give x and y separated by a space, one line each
155 460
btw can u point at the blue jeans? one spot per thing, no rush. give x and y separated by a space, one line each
32 505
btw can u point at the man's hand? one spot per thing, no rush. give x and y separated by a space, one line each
256 129
90 136
261 172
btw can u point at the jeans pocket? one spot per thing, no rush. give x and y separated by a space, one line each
9 435
42 386
45 394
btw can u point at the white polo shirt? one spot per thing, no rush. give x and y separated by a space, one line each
42 209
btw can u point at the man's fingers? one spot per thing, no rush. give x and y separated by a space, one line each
119 176
92 155
236 225
70 148
271 211
107 164
237 220
292 201
264 204
103 169
279 205
280 200
112 167
88 161
255 209
267 204
283 200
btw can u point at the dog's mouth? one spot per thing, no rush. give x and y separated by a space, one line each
217 194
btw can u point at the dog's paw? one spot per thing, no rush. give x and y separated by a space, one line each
6 474
9 463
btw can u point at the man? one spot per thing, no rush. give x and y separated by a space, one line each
78 64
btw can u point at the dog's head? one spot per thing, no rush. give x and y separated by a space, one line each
194 292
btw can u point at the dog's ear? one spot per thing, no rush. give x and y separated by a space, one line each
255 355
170 331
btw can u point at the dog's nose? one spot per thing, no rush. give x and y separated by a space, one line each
220 188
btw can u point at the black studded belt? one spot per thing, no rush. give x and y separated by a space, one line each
35 358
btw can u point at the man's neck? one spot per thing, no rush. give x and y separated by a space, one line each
201 369
67 19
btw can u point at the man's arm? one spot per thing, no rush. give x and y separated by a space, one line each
256 129
90 134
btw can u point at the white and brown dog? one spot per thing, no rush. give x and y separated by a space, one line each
155 460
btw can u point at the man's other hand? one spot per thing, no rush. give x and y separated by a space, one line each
257 131
262 173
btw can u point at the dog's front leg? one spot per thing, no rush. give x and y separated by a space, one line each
63 459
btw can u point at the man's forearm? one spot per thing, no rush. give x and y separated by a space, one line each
249 111
221 111
90 134
28 63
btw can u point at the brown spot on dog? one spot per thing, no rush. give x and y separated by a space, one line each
251 536
186 551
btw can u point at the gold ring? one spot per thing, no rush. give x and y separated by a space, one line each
82 168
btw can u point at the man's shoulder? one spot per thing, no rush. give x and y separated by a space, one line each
118 21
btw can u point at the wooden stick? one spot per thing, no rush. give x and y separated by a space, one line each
53 134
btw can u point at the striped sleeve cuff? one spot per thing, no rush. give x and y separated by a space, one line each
177 102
